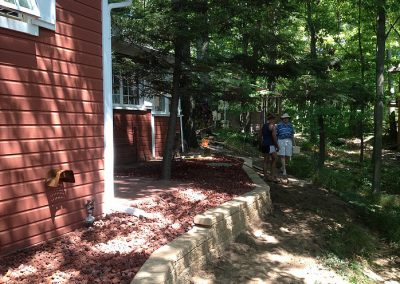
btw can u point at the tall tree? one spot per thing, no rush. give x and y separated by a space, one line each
378 115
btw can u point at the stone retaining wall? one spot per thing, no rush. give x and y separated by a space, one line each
213 231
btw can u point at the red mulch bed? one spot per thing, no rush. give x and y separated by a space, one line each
115 248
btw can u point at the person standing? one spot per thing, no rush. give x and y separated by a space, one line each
285 133
269 147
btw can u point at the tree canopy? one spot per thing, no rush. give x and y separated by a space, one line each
320 54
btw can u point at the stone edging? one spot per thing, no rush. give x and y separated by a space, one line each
213 231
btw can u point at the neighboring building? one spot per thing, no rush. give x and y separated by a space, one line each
51 117
140 114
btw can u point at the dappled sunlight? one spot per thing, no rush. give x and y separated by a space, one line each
61 277
123 246
191 195
287 231
260 234
22 270
51 118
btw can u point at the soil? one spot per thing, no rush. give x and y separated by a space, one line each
287 245
114 249
284 247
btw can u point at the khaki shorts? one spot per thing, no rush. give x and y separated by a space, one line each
285 147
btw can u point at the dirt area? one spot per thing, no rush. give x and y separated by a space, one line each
114 249
286 246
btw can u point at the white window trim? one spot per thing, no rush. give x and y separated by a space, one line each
29 23
142 103
47 18
18 25
164 112
16 7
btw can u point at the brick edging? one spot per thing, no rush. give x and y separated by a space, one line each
213 231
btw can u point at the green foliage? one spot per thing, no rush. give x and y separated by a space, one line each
301 165
390 179
350 241
381 212
352 182
350 269
241 143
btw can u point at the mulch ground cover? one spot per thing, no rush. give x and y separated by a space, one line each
114 249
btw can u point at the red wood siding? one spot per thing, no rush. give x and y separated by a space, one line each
161 128
132 136
51 116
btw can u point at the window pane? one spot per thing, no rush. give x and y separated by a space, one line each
160 104
115 99
25 3
24 6
116 85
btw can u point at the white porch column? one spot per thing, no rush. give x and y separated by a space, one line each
107 102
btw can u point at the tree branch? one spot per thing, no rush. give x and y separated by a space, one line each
392 27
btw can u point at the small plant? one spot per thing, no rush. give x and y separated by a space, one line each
347 249
301 166
351 241
242 143
352 270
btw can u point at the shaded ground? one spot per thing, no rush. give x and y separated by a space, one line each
114 249
286 246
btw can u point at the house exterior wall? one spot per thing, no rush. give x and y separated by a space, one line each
132 136
51 117
161 128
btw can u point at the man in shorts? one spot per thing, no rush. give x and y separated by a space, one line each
285 133
269 147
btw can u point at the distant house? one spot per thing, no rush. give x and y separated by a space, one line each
55 104
140 113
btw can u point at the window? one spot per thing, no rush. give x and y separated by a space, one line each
127 91
9 13
159 103
25 6
28 15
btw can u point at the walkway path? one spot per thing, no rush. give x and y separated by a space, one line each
286 246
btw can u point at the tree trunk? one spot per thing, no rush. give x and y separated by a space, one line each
378 113
362 134
313 124
311 28
322 143
188 100
179 45
362 74
170 139
398 123
189 130
313 54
